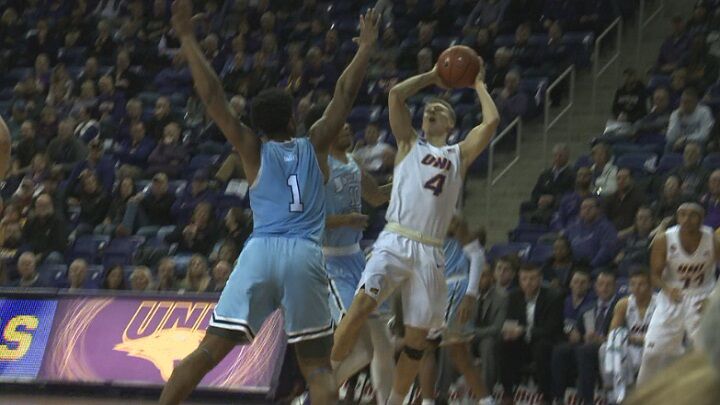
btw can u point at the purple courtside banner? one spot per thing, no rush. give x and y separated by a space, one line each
137 341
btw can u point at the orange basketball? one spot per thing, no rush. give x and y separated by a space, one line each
458 66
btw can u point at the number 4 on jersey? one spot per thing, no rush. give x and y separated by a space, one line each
436 184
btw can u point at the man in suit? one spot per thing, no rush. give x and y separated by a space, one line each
550 186
580 356
488 326
534 324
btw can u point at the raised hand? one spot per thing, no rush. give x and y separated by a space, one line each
368 28
182 18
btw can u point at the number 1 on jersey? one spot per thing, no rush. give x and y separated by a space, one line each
296 205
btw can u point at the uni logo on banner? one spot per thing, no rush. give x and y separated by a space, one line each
163 332
24 331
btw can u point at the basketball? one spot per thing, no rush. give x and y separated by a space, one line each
458 66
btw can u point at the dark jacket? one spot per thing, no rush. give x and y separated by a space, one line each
548 323
557 186
158 210
45 235
621 208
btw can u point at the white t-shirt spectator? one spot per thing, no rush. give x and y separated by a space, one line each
372 157
695 126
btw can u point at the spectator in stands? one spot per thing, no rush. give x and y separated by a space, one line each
481 42
523 53
199 235
555 181
141 279
635 243
592 237
570 202
492 312
318 74
92 202
77 274
175 79
486 15
425 61
166 275
111 104
691 122
630 98
518 12
604 170
582 357
126 79
410 49
702 68
505 272
27 147
558 268
169 156
699 22
198 192
197 278
692 175
674 48
622 205
114 278
45 231
157 204
578 300
132 154
104 47
133 115
48 126
666 206
220 275
510 101
87 127
91 71
162 115
87 97
375 156
657 120
711 201
238 226
533 325
120 219
29 277
66 150
97 162
18 115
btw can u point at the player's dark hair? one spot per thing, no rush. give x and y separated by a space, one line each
607 272
639 271
512 259
313 115
271 111
582 271
529 267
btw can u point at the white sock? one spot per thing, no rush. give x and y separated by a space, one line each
428 402
395 398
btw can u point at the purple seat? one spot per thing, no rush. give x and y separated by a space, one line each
712 161
527 232
122 251
522 249
668 162
540 253
88 247
635 161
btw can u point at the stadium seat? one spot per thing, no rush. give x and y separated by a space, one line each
94 277
637 162
668 162
522 249
121 251
712 161
88 247
657 81
54 275
541 252
201 162
527 232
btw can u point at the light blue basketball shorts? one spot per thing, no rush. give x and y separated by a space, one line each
344 272
272 273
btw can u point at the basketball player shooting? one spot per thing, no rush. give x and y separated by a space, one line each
408 254
682 263
5 147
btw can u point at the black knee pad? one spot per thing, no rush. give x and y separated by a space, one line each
315 348
413 354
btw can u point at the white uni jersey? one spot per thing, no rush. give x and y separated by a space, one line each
637 324
426 186
693 272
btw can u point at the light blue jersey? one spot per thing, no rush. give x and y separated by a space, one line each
343 196
288 197
456 263
282 265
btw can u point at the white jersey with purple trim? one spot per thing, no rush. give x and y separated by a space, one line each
426 186
694 272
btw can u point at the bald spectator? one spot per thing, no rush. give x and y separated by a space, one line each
555 181
141 279
691 122
45 231
511 102
711 201
133 153
220 275
26 267
66 150
622 205
603 170
77 274
570 203
592 237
